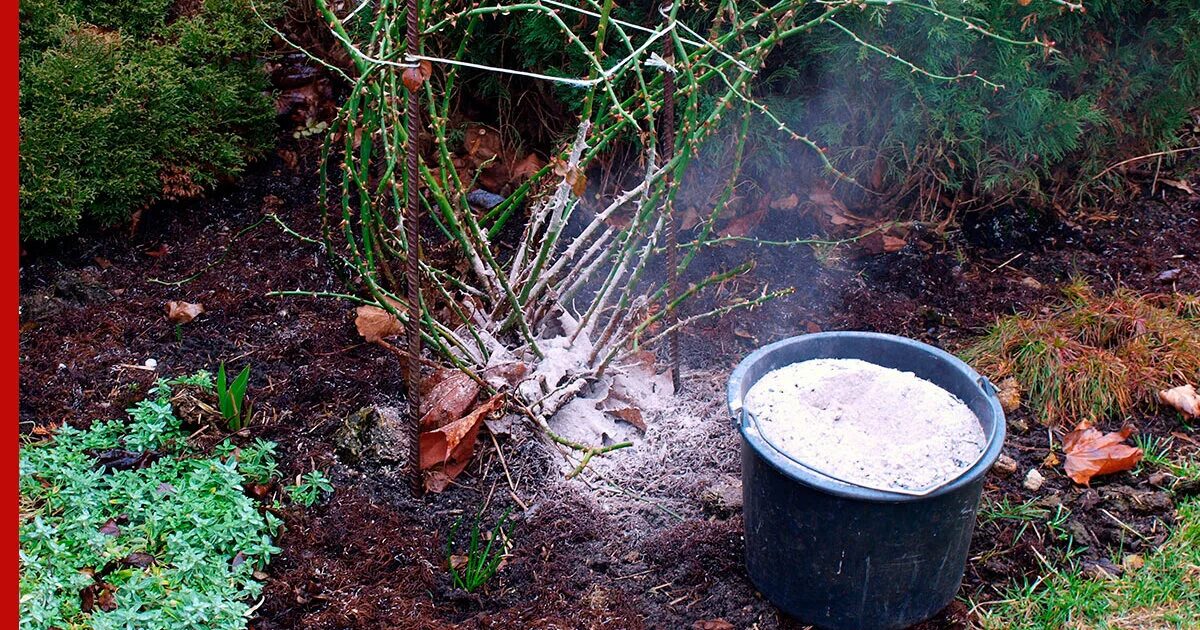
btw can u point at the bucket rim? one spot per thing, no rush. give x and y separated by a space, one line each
810 477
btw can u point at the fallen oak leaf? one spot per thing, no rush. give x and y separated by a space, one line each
139 559
874 242
1179 184
632 415
180 312
1183 398
690 218
99 595
505 374
437 481
449 448
158 252
375 324
892 244
742 225
786 203
448 400
115 459
1090 452
525 168
456 439
712 624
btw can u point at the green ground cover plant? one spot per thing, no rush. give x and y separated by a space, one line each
124 102
310 488
124 525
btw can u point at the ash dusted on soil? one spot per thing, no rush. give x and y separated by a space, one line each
867 424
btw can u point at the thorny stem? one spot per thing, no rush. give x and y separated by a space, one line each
373 184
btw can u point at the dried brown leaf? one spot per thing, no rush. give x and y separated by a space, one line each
449 448
159 252
414 77
690 218
482 144
712 624
1090 452
180 312
376 324
1183 398
742 225
573 176
892 244
786 203
1180 184
448 400
506 374
630 414
526 167
107 601
139 559
436 481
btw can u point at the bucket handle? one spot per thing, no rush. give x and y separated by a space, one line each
749 419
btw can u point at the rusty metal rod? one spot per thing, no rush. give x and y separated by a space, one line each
668 152
412 260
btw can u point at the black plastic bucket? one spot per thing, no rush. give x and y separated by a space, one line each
840 556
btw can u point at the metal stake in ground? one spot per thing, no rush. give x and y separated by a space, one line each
412 261
668 152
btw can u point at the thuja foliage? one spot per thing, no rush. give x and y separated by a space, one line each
123 525
1120 83
127 101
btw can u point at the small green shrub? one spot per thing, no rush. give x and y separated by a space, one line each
123 103
257 461
1092 356
310 488
124 526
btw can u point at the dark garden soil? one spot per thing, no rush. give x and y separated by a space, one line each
374 557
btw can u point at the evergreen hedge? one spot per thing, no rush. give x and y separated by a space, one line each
1122 83
127 101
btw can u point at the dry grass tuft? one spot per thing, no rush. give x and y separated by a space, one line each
1091 356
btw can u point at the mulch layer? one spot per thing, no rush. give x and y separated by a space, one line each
374 557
